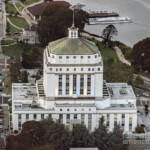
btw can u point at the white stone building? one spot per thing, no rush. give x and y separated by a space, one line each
73 89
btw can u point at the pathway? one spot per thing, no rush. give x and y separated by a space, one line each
121 56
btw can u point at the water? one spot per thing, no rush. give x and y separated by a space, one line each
137 10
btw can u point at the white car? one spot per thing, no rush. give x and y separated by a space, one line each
146 94
1 126
1 120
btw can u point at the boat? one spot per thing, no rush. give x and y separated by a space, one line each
109 20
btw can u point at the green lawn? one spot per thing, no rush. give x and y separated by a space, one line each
19 6
107 53
7 42
12 50
19 22
10 8
13 29
28 2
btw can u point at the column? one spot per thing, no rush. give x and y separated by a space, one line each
30 117
15 122
71 85
86 120
119 119
71 116
126 127
134 121
56 85
94 121
64 85
38 117
64 119
105 118
23 118
85 85
45 116
78 85
92 85
111 122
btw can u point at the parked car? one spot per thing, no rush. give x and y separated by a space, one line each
1 120
146 94
1 126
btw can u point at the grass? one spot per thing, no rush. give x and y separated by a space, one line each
7 42
28 2
19 22
10 8
12 50
107 53
19 6
13 29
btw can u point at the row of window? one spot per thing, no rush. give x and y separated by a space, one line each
74 57
75 109
82 69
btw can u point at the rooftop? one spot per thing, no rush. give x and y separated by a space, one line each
68 46
24 91
120 90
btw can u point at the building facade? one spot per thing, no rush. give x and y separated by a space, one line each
73 89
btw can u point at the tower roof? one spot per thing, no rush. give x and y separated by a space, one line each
68 46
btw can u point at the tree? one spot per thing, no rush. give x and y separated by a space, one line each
141 55
24 77
101 136
8 27
56 20
139 129
138 80
81 137
108 34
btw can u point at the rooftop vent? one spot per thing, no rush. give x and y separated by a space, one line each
123 91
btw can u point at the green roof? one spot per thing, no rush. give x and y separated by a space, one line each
68 46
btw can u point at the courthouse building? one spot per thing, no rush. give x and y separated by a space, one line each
73 89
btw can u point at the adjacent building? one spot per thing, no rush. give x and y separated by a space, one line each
73 89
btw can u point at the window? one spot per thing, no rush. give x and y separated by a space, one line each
60 109
89 56
74 57
123 115
75 116
67 109
42 116
67 57
50 116
56 69
67 69
19 116
50 69
53 56
60 69
74 83
89 121
92 69
60 84
81 84
34 116
81 69
98 69
67 84
81 56
89 109
89 69
95 56
74 69
27 116
75 109
82 109
89 85
60 57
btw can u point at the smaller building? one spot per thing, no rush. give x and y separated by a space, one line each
30 35
36 11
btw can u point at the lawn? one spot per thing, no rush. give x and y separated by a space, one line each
10 8
12 50
7 42
28 2
19 22
19 6
13 29
107 53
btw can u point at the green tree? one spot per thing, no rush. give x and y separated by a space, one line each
56 20
141 55
139 129
108 34
24 77
138 80
80 137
